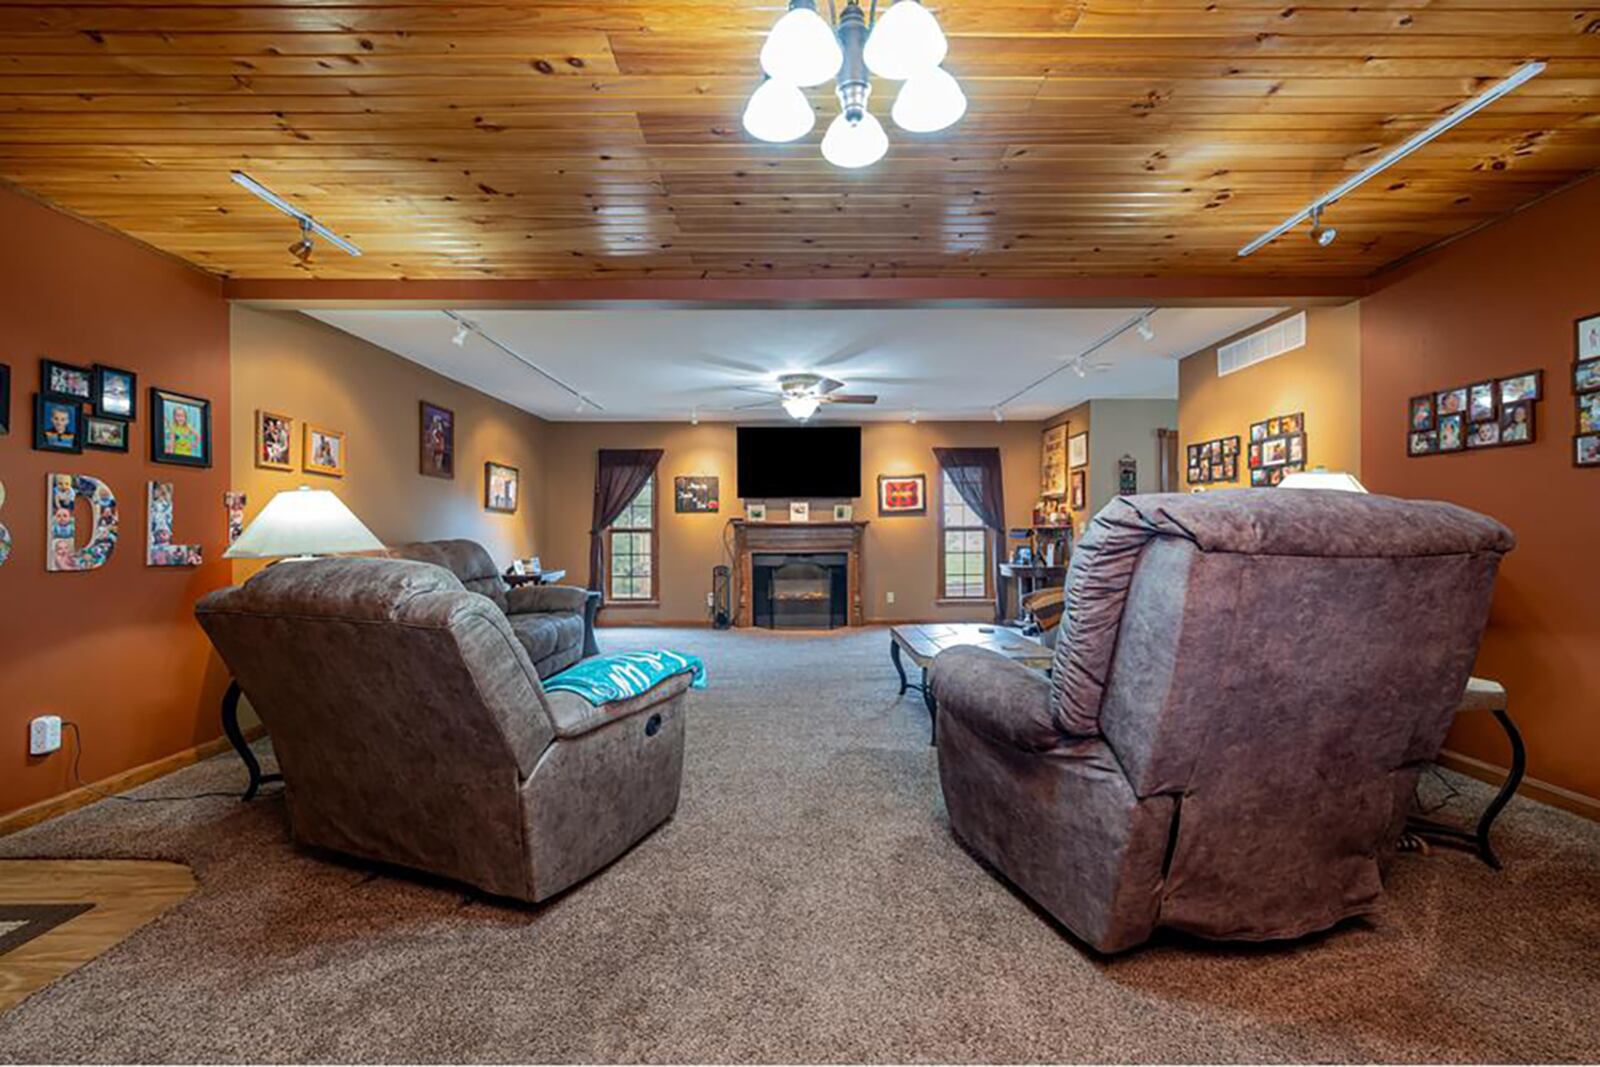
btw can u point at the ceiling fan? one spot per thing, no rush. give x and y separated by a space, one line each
802 394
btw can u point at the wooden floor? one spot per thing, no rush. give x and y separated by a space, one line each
125 895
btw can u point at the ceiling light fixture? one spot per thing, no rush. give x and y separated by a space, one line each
1313 211
905 45
308 225
1080 362
1146 331
694 416
913 419
496 343
999 416
801 406
462 330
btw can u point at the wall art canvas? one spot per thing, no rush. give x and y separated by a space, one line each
115 392
696 493
1588 337
235 501
62 551
107 435
1078 450
902 494
1053 462
322 452
501 487
66 380
274 437
159 549
57 424
438 441
180 429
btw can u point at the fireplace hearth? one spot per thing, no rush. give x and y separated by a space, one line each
801 590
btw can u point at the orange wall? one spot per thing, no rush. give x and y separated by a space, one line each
116 649
899 553
1322 379
1500 302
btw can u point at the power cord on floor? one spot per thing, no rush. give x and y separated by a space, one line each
1450 792
77 756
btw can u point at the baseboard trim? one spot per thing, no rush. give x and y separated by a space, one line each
1534 788
120 782
690 624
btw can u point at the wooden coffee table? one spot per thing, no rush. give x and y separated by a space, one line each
923 641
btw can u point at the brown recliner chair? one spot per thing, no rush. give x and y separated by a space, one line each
411 728
1244 690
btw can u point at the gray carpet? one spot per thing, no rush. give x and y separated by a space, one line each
806 903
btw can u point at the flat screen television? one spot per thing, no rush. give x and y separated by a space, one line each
799 462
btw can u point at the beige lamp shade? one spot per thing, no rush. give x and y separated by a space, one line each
1322 479
303 522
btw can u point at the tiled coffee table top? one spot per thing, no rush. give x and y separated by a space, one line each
923 641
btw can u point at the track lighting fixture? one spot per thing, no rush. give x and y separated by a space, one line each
309 226
1312 212
913 419
999 416
905 45
1146 331
460 337
694 416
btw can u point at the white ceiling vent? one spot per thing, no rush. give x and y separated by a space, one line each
1285 335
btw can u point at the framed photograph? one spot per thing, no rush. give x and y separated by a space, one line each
1587 335
501 487
5 399
1421 413
1053 462
1589 412
1422 443
1482 402
1297 448
844 512
1451 402
1516 422
66 380
1080 494
116 392
1453 432
1255 454
322 452
1274 451
274 432
1585 376
180 428
438 441
799 511
57 424
107 435
755 512
1258 431
902 494
1586 450
1216 461
1295 423
1273 429
695 494
1078 450
1529 386
1483 435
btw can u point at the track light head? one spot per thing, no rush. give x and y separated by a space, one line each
1146 331
301 249
1321 236
460 338
999 416
694 416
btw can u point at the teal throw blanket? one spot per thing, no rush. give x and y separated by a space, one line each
605 679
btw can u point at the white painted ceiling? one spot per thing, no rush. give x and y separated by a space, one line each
942 363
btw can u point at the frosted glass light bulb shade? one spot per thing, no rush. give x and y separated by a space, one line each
855 145
778 112
303 522
928 102
801 407
1322 479
906 41
802 49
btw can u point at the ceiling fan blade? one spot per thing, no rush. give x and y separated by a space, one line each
758 404
754 389
828 385
850 398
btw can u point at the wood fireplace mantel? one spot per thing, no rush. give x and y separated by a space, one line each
752 537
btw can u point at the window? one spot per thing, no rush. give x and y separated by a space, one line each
963 547
631 574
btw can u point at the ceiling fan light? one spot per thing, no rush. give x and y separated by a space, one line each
778 112
801 407
802 48
907 40
855 144
929 101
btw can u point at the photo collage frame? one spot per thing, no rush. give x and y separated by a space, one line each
1586 391
1493 413
1277 449
1214 461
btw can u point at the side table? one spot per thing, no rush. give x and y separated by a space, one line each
1482 694
230 726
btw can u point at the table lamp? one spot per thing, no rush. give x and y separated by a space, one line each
302 523
1322 478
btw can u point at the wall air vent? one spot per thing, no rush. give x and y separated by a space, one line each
1285 335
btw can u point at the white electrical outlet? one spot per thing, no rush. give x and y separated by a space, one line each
44 735
889 596
709 601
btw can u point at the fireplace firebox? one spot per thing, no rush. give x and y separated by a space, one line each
800 589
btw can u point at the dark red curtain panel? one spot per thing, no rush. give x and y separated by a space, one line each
976 475
618 477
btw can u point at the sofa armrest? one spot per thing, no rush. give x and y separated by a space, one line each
573 715
996 697
528 599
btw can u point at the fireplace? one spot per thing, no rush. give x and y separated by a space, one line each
800 589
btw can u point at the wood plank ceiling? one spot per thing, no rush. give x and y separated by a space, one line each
546 138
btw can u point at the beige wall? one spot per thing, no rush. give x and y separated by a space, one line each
899 553
1323 379
1126 428
286 362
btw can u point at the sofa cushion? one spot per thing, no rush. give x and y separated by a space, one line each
467 560
542 635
